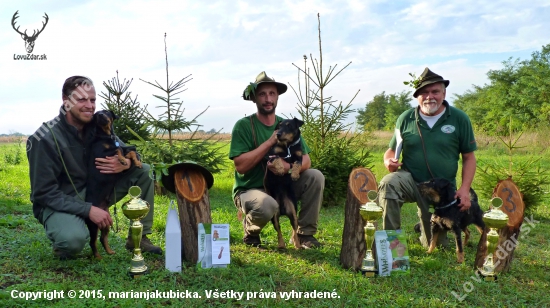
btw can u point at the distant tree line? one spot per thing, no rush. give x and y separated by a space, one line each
520 90
382 111
13 134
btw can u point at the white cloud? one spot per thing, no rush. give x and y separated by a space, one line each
225 44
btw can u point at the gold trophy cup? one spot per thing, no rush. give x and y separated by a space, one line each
370 212
135 209
494 219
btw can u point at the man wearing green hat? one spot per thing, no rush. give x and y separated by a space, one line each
432 137
251 139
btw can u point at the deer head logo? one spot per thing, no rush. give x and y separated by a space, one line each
29 40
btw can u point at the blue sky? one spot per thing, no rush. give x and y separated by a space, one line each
225 44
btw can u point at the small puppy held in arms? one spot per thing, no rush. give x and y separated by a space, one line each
102 143
447 215
279 185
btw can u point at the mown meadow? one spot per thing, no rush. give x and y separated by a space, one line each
264 278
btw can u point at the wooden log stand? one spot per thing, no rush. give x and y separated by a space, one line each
193 207
354 248
514 207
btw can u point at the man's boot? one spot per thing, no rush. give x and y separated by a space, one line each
145 245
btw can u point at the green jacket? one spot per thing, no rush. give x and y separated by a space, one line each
50 185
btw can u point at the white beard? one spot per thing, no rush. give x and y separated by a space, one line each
430 109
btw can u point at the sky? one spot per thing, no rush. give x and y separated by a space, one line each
224 45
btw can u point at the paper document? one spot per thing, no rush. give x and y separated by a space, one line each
399 145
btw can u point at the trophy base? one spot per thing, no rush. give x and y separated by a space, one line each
137 275
489 277
368 274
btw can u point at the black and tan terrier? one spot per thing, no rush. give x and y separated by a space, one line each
447 214
100 186
279 185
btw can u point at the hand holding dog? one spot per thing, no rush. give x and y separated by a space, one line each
111 164
273 139
100 217
464 195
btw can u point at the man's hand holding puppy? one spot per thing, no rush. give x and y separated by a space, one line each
100 217
111 164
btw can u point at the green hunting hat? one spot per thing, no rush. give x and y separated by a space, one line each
428 77
168 181
262 78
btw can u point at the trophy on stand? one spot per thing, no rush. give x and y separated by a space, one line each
370 212
136 209
494 219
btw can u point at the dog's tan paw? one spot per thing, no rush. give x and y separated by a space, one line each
460 257
279 167
295 174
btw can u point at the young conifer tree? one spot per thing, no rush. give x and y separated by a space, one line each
129 111
165 147
335 150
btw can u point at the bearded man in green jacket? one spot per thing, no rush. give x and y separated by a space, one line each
58 173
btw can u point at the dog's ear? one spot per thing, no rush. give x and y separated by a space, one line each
278 125
298 122
447 187
115 117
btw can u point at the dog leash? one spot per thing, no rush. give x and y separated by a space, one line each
423 147
255 147
63 162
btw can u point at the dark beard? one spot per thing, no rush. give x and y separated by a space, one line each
265 112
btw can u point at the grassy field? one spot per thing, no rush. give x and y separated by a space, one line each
266 278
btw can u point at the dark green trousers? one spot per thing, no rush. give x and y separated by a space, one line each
259 207
69 233
394 190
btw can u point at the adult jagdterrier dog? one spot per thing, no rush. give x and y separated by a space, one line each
279 186
100 186
447 214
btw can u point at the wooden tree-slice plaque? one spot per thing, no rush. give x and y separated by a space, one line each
361 181
514 207
193 207
190 184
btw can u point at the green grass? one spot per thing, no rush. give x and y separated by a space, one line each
28 265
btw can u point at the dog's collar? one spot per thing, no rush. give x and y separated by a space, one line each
291 145
454 202
295 143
